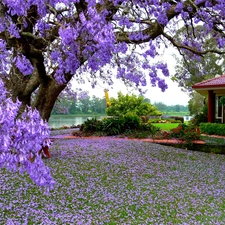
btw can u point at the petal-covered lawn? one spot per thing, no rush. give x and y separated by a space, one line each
120 181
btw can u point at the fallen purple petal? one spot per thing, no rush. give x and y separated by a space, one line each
120 181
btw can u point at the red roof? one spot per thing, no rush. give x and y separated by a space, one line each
211 83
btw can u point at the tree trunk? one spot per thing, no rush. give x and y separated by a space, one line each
38 90
46 97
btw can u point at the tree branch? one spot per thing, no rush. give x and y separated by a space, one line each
191 49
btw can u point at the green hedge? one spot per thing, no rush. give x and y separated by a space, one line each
212 128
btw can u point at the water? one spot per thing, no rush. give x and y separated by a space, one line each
60 121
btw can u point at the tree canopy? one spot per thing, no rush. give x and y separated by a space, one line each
191 69
45 44
131 104
51 42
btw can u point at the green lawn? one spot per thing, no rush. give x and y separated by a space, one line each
166 126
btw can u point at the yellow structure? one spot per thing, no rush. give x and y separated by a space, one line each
107 98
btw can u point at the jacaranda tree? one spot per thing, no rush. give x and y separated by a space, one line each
46 43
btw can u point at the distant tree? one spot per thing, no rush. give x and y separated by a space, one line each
60 109
177 108
131 104
184 108
74 107
147 100
98 104
161 106
85 104
196 103
171 108
62 104
65 104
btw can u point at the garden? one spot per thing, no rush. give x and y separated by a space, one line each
132 126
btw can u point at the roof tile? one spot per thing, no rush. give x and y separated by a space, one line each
214 82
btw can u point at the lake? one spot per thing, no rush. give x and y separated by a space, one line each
60 121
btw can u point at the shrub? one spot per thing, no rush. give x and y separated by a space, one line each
190 135
143 131
185 132
121 124
130 103
131 121
212 128
178 118
179 131
176 121
149 129
129 125
144 119
154 120
146 127
91 125
113 126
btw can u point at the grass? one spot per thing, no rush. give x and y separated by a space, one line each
166 126
119 182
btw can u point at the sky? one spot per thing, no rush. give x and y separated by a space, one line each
172 96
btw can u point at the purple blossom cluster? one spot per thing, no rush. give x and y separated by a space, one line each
24 65
105 181
21 140
97 40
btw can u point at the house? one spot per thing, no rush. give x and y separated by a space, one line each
213 89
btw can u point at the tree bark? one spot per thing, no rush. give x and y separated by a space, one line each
46 97
37 90
23 88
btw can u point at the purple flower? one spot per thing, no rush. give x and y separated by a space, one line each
179 7
24 65
22 139
13 30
